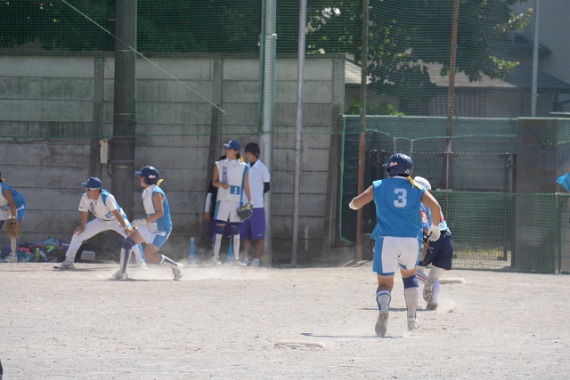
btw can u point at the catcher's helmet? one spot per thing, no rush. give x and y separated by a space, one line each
422 181
399 164
150 173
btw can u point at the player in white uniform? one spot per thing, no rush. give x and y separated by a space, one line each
253 229
398 223
231 178
12 205
108 217
154 229
439 255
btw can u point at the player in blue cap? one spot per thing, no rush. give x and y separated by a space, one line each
108 217
154 229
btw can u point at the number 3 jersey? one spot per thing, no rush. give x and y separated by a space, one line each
231 172
397 208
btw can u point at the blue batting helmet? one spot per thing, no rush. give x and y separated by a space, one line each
150 173
399 164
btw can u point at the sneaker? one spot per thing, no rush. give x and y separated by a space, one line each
177 271
216 261
382 324
428 289
11 259
246 261
66 265
143 267
237 263
255 263
432 305
413 324
120 276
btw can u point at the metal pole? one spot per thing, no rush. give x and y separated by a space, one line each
298 127
268 52
362 136
535 53
451 92
124 121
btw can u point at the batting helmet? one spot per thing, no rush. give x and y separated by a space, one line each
422 181
150 173
399 164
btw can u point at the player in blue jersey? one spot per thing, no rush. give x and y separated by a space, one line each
439 253
398 223
231 178
108 217
154 229
12 206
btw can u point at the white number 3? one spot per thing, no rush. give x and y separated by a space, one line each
402 197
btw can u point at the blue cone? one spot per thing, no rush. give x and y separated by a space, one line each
231 251
192 253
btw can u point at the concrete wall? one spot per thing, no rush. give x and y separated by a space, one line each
55 109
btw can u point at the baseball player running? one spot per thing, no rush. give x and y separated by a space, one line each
12 208
108 217
397 201
439 253
154 229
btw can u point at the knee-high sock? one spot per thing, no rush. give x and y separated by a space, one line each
383 298
235 242
124 259
14 245
167 261
411 295
435 273
217 246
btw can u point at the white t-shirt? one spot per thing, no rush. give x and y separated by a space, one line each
258 175
102 208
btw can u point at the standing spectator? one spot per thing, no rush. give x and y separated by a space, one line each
398 223
231 178
259 184
108 217
12 206
154 229
439 254
209 210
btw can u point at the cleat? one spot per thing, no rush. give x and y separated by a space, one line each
428 289
413 324
246 261
382 324
65 265
237 263
255 263
177 271
432 305
143 267
120 276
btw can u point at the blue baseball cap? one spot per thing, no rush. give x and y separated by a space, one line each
92 183
233 144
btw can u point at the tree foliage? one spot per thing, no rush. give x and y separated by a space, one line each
404 35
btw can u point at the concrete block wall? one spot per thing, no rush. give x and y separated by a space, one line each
54 110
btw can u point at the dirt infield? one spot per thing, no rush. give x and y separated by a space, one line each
271 323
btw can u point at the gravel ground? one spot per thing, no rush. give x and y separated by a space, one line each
274 323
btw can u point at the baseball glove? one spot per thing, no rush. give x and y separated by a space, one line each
13 227
245 212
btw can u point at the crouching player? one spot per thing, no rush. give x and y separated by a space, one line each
439 253
154 229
